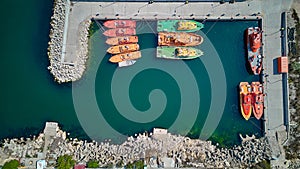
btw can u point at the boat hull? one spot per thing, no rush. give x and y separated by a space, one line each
120 24
125 57
245 100
254 49
121 40
179 39
167 52
175 25
119 32
123 48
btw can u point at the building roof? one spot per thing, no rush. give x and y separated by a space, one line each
79 166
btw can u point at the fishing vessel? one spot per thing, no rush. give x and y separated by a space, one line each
169 52
179 39
253 42
245 99
120 40
123 48
120 24
125 56
178 26
119 32
258 99
126 63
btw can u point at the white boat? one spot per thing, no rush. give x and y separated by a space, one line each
126 63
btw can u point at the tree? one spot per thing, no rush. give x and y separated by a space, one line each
65 162
12 164
93 164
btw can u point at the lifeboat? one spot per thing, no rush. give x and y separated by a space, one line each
245 99
179 39
119 32
258 99
254 47
120 24
122 40
125 57
123 48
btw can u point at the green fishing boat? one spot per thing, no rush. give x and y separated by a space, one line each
178 26
169 52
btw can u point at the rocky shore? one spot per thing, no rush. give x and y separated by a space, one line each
292 148
61 70
185 152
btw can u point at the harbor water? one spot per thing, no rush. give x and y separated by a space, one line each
182 96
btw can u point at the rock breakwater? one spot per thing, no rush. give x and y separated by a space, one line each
182 150
61 70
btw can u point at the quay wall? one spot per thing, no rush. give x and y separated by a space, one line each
61 70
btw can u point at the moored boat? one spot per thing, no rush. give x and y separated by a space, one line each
258 99
245 99
253 42
179 39
119 32
169 52
125 56
126 63
120 24
123 48
178 26
122 40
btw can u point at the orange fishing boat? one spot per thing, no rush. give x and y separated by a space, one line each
179 39
119 32
254 47
122 40
125 56
245 99
123 48
120 24
258 99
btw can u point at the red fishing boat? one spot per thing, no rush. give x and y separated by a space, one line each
119 32
245 99
120 24
258 99
253 42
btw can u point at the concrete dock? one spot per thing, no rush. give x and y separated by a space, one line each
269 10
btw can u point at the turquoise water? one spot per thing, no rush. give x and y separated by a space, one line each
30 97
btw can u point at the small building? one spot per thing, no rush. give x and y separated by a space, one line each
283 65
41 164
168 162
79 166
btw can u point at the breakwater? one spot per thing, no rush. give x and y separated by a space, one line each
182 150
61 70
